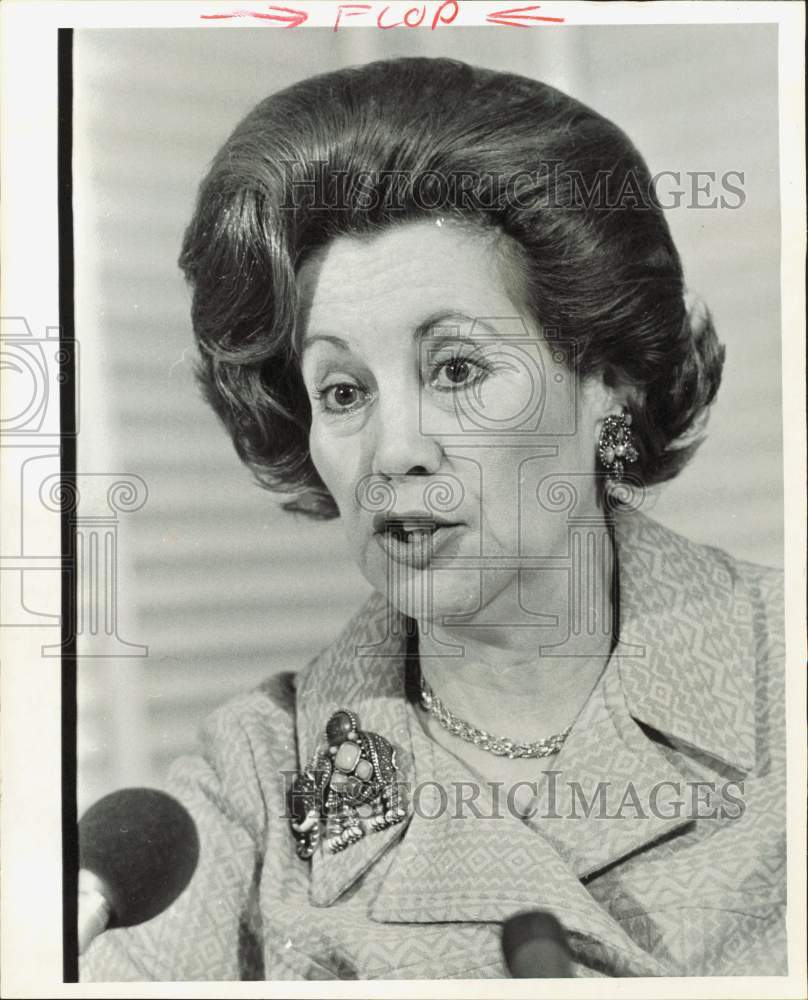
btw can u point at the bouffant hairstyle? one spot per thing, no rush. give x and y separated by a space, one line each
354 151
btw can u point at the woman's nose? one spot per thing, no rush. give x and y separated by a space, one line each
401 446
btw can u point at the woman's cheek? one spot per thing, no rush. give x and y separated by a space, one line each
332 457
322 456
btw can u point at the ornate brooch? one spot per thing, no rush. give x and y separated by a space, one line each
356 772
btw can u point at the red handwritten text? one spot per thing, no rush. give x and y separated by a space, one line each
285 15
518 17
427 15
411 17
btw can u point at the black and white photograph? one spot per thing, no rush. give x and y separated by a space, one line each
421 441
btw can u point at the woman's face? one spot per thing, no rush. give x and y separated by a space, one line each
437 409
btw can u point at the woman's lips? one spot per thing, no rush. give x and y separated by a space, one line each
414 543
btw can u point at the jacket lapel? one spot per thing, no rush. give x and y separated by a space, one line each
611 792
363 672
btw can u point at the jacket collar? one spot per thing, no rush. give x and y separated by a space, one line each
686 652
678 668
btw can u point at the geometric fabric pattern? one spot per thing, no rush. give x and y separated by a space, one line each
688 712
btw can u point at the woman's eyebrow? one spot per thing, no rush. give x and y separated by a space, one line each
329 338
447 324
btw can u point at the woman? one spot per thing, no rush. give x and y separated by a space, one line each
443 304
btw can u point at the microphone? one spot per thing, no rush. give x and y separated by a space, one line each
138 849
535 946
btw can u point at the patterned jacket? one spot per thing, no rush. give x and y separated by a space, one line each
658 841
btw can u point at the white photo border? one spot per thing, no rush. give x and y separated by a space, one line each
31 914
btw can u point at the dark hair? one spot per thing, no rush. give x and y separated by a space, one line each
359 149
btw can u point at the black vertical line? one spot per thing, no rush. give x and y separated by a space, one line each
615 587
67 411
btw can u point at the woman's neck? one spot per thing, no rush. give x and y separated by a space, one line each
526 674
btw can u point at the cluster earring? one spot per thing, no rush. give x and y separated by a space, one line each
615 446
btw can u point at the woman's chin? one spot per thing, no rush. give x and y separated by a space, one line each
432 596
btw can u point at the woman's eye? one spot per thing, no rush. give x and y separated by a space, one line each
341 397
344 395
456 373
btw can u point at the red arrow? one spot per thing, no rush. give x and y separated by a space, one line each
286 15
515 17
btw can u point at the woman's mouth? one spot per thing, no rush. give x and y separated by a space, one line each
413 539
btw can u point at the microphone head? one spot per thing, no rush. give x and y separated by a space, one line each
143 845
535 946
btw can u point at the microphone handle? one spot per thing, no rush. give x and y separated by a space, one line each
94 910
541 959
534 946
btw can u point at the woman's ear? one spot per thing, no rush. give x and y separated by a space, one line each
600 400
